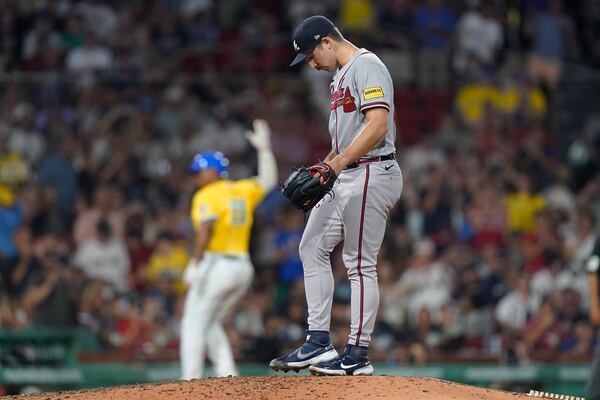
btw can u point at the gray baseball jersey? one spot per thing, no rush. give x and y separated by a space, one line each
362 200
363 83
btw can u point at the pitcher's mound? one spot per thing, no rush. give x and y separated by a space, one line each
294 387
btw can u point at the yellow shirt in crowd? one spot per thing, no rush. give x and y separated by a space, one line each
231 205
521 210
357 15
173 263
471 100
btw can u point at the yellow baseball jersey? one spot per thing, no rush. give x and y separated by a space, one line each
231 205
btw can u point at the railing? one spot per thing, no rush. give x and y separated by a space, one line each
60 360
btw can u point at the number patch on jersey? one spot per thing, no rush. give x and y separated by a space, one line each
238 212
372 93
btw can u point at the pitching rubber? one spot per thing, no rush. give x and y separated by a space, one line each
364 371
535 393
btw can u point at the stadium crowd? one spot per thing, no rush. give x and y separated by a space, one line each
103 103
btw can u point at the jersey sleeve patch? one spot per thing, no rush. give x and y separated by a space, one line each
372 93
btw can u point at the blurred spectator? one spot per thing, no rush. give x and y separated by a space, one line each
425 284
178 108
105 206
138 250
42 34
515 98
18 270
522 101
95 306
451 331
10 220
98 16
57 171
551 31
480 37
523 205
50 299
393 30
513 309
571 310
492 269
44 216
533 255
73 35
24 139
394 20
436 200
544 333
91 57
287 240
104 257
580 344
486 217
545 282
231 139
167 262
167 34
391 308
579 243
433 24
357 15
201 30
250 318
125 324
467 288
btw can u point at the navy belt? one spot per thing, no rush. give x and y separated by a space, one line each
356 164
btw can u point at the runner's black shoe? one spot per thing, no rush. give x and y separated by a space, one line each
317 348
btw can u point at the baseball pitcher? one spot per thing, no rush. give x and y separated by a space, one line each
365 182
219 272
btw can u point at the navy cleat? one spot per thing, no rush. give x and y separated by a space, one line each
317 348
353 361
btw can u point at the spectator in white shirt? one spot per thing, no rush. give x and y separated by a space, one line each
513 309
426 283
91 57
24 138
479 38
580 242
104 257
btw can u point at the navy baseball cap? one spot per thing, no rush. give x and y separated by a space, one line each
308 34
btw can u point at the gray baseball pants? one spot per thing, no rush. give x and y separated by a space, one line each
356 213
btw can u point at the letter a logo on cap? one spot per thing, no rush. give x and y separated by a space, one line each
296 47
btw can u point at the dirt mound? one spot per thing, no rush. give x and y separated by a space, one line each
292 387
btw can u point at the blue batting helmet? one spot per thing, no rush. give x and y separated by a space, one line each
215 160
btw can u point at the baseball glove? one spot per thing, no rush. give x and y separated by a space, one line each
304 189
